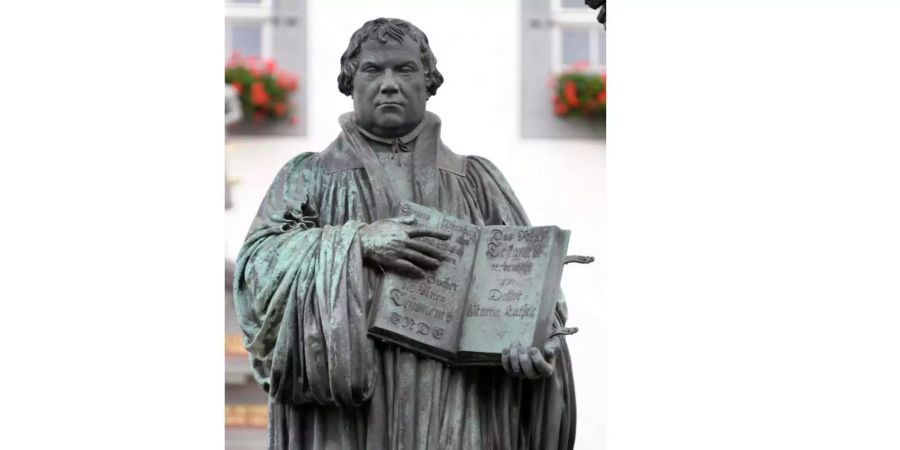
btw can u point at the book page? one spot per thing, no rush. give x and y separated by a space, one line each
425 314
512 274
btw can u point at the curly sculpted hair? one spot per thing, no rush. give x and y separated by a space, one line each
382 29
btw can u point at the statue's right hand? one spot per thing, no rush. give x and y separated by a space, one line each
394 245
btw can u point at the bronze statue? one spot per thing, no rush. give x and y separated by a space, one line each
323 237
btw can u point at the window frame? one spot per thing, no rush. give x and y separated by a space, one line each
581 19
540 46
283 28
261 13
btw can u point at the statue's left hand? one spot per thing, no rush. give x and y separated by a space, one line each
531 363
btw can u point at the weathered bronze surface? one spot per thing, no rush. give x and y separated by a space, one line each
319 246
514 289
497 286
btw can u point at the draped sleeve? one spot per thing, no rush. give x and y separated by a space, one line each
300 292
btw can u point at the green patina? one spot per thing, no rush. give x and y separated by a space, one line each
306 274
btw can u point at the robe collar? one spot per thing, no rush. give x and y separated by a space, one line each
428 136
352 151
402 141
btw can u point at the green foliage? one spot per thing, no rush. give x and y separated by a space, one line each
264 89
580 93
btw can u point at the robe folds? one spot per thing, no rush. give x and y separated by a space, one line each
302 295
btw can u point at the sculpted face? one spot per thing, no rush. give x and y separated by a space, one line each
389 92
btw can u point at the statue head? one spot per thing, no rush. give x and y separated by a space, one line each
390 71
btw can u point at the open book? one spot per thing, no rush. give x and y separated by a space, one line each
499 288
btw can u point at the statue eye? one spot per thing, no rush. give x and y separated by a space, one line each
370 69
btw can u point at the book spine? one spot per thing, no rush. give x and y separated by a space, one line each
465 303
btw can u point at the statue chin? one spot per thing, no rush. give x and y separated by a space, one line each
388 121
391 125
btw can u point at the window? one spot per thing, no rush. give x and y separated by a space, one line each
246 39
555 35
272 29
248 28
576 36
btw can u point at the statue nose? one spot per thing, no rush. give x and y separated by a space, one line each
389 84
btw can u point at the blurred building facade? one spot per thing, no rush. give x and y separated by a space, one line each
498 59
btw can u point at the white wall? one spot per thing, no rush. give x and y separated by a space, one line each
559 182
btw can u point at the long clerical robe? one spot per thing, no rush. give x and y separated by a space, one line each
302 294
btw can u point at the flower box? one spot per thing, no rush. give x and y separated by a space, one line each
264 92
580 93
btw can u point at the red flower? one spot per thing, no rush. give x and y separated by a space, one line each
252 67
281 80
570 93
234 60
266 93
560 109
269 65
602 95
293 120
258 94
259 98
286 81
